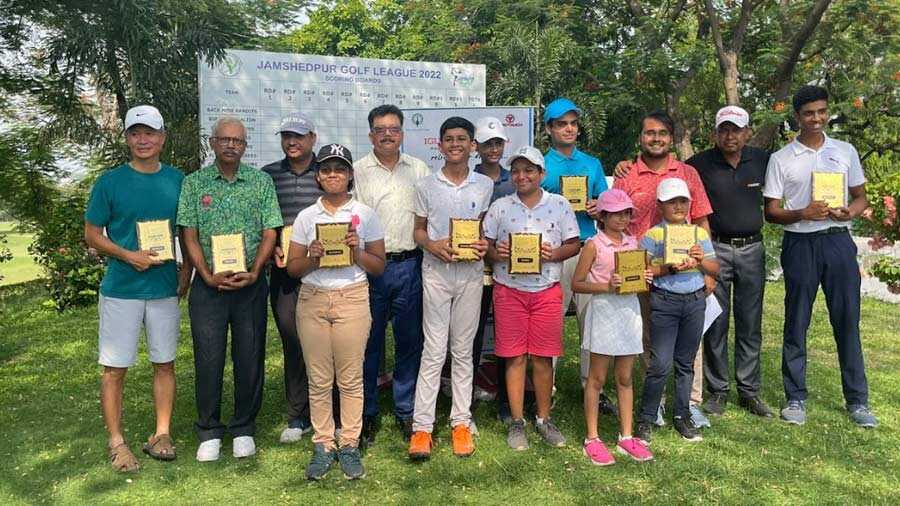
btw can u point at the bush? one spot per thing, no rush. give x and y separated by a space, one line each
73 272
880 220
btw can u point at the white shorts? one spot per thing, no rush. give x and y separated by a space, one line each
121 321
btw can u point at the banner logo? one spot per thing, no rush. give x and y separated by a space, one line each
462 77
417 119
230 66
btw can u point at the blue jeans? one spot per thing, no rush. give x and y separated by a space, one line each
676 327
830 260
395 296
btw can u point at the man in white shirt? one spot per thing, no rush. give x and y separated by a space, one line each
384 182
817 249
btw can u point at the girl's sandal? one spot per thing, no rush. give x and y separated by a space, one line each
160 447
122 460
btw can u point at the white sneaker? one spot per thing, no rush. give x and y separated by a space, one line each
243 446
292 435
209 450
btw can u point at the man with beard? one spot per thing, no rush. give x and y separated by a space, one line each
654 164
295 183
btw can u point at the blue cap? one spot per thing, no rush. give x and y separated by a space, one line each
558 108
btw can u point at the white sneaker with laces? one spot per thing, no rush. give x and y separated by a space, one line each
292 435
243 446
209 450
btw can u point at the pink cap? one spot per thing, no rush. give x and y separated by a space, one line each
614 200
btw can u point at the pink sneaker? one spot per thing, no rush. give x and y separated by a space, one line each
634 448
595 450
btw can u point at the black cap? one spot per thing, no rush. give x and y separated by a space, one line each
330 151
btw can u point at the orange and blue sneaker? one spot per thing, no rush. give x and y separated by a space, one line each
463 444
420 445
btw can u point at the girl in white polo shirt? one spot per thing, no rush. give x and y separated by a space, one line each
333 317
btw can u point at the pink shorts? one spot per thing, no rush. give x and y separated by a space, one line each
528 322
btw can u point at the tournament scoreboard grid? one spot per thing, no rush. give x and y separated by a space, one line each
336 93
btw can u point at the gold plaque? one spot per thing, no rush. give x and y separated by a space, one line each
488 275
829 187
575 190
524 253
464 232
678 241
630 266
332 237
156 236
286 232
228 253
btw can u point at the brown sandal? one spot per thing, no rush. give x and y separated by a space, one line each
122 460
160 447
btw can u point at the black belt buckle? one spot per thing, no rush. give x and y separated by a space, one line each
403 255
739 242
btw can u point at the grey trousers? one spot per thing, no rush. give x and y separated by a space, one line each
739 290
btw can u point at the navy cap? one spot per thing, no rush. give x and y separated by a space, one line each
330 151
558 108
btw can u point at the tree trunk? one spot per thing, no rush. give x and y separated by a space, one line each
784 74
730 77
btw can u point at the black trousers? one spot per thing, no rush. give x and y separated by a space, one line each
212 313
740 287
809 260
283 293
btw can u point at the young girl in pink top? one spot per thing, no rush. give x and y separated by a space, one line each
612 326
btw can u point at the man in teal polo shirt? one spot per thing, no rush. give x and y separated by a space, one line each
228 198
562 123
139 288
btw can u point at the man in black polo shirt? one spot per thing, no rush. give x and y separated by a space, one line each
733 175
295 184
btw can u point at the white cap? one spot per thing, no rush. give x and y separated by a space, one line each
668 189
144 115
732 114
529 153
488 128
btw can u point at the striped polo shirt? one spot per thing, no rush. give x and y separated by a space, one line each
295 193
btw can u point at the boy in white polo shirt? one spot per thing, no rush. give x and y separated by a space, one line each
451 297
528 307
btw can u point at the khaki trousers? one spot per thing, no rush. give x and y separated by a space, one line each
451 307
333 326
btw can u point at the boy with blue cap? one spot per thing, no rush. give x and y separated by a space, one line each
562 122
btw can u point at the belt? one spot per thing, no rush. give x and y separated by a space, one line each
737 242
697 294
404 255
824 231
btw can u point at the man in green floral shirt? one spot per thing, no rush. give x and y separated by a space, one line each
228 198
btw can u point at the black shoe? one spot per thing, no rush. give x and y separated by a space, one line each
370 428
503 413
644 432
607 406
405 426
321 462
756 406
715 403
351 463
686 428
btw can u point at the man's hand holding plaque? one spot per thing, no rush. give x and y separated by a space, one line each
156 237
281 250
228 254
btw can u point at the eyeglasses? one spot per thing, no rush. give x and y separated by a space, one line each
225 141
387 130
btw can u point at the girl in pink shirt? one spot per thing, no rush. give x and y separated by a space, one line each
612 326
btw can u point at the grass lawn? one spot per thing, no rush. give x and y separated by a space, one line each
22 267
52 446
